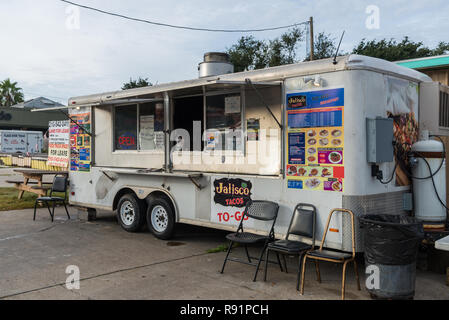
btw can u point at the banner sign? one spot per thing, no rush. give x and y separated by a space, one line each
13 142
59 143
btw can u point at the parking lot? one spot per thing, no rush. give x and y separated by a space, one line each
114 264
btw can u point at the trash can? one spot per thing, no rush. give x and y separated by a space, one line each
391 247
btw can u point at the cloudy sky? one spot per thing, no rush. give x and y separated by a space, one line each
48 55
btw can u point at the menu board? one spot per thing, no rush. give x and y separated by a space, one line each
80 140
58 144
315 140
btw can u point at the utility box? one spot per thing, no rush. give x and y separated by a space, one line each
379 140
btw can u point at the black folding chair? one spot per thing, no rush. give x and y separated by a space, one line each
259 210
302 224
59 185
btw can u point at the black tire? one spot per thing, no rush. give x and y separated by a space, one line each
164 218
132 220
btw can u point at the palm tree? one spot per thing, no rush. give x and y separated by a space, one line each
10 94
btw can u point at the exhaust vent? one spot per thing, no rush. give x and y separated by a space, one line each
215 63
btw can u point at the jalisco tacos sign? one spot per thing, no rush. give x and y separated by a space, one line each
232 192
297 101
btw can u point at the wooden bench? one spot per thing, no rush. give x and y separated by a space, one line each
20 182
42 190
37 186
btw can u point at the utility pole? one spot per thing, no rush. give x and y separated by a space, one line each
311 38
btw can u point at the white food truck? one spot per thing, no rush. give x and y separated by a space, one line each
196 151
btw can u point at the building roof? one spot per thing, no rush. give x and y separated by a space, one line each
37 103
425 63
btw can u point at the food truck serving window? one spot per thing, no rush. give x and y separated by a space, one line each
139 127
223 111
224 118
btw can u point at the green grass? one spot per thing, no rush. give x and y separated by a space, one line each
9 201
222 248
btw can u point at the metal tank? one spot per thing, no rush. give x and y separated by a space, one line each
428 208
215 63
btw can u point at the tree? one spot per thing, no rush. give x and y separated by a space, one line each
139 83
392 50
250 54
442 48
323 47
10 93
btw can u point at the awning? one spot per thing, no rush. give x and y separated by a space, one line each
195 87
105 103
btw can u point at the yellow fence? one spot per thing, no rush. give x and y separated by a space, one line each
27 162
42 165
6 160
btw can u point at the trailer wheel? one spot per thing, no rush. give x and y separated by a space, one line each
161 218
130 213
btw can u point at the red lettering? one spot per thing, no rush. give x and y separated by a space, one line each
127 141
238 216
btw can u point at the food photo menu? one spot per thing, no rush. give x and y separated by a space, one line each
315 140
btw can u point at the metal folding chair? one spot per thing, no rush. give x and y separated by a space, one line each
259 210
335 256
302 224
59 185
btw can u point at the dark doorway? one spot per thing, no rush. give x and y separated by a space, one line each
185 112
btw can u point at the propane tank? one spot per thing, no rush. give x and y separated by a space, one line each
427 206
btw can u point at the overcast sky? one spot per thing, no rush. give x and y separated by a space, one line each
47 58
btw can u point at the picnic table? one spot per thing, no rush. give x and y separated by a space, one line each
37 186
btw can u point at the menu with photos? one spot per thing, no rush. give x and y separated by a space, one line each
315 140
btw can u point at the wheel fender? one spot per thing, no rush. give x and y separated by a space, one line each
143 192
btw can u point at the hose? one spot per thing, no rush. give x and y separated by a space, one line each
405 169
434 186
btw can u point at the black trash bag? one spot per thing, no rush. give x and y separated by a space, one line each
391 239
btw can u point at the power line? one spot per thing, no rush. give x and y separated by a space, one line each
183 27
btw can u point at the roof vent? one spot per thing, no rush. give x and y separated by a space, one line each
215 63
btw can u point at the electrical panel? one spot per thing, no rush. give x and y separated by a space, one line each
379 140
